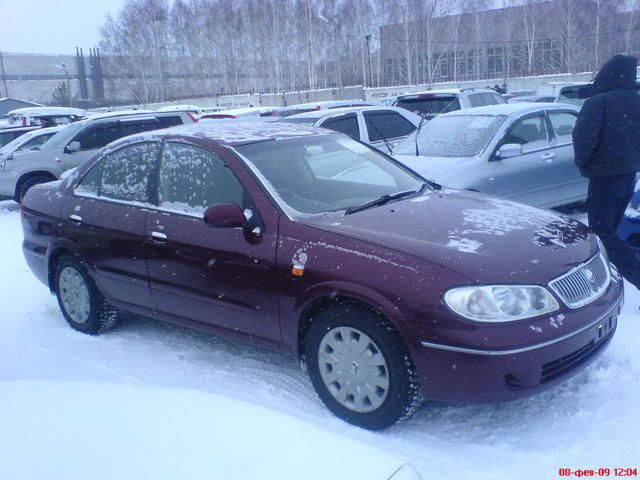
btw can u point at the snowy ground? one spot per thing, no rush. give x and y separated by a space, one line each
47 371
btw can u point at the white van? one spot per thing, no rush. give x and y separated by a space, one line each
43 116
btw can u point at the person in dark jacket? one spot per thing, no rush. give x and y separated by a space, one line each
606 142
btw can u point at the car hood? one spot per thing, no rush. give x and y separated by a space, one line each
444 170
486 239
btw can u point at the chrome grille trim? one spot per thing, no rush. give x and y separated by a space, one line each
576 289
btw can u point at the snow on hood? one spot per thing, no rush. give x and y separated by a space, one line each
483 238
618 72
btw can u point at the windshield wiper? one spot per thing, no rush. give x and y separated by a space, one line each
384 199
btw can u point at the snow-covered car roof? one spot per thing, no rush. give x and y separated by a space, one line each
180 108
511 108
48 111
364 108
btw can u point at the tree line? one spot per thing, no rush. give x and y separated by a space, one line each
163 49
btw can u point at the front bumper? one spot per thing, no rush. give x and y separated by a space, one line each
8 179
475 375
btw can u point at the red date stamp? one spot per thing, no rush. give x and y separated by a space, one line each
598 472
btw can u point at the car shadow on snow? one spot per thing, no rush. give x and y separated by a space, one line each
186 358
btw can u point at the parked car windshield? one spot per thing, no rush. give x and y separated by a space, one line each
324 173
430 106
452 136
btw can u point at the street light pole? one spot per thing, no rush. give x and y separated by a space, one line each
367 37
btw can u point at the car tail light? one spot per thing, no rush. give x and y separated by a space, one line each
21 208
193 117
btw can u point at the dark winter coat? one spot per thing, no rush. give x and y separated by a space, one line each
606 138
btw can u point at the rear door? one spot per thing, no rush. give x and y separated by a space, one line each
386 125
106 218
527 178
224 277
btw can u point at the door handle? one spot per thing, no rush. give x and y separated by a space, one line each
548 156
158 237
75 218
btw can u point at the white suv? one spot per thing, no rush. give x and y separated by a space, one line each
74 144
434 102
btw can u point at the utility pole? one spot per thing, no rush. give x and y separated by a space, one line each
367 37
4 76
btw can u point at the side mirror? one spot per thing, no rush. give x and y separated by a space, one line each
74 147
224 215
509 150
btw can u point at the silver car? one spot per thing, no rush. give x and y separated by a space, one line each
520 151
74 144
381 127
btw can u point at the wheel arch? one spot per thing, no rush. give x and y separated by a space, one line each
26 176
57 249
322 296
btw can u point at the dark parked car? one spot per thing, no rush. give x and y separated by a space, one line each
387 287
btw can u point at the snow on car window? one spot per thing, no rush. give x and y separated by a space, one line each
192 179
126 172
453 136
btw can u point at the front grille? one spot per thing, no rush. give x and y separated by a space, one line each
583 284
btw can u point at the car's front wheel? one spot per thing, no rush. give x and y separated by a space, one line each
359 366
82 304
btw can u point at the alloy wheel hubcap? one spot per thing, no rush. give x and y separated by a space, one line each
74 295
353 369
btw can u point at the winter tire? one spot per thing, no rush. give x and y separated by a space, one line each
82 304
360 368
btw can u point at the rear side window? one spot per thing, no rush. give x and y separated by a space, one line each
476 100
166 122
192 179
387 125
347 124
563 124
430 106
122 175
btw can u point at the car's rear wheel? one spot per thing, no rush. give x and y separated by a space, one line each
82 304
359 366
26 184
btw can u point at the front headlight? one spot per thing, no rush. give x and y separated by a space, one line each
500 303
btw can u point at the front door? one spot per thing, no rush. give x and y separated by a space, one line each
526 178
221 276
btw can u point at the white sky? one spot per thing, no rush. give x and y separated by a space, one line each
52 26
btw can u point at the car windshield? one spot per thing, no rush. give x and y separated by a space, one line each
430 106
325 173
452 136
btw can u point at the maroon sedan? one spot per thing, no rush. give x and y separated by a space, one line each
388 288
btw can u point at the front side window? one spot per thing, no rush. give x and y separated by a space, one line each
563 124
122 175
192 179
347 124
530 132
387 125
98 137
325 173
476 100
